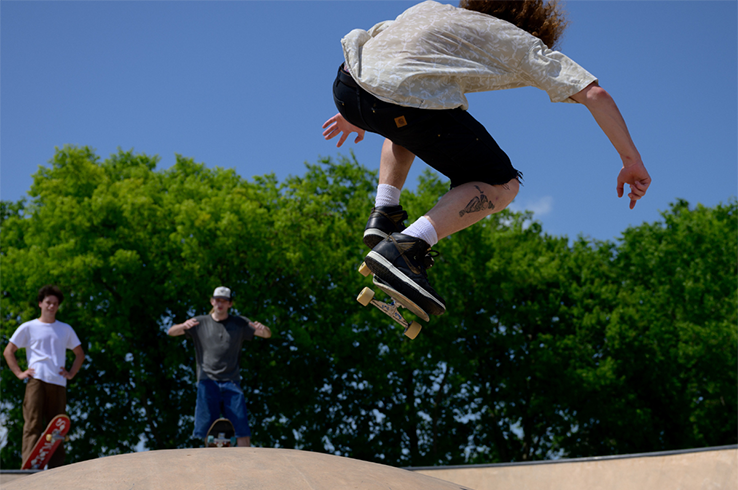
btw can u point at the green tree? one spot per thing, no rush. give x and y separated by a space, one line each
546 349
665 373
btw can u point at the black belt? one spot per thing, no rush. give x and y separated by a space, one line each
345 77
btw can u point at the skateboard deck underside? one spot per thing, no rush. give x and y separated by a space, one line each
366 297
49 441
221 434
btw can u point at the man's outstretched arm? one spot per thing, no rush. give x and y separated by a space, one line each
608 117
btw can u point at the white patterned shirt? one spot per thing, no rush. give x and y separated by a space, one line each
433 54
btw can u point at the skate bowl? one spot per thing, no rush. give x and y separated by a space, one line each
286 469
694 469
228 468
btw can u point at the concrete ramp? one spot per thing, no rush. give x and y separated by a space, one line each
228 468
701 469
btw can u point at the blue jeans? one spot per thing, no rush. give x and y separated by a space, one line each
216 397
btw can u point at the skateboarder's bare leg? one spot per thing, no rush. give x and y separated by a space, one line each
387 216
244 442
468 203
394 164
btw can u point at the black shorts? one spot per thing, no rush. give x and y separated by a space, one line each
451 140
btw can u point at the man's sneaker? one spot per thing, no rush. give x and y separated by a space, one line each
383 221
400 261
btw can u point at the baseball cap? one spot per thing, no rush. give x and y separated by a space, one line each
222 292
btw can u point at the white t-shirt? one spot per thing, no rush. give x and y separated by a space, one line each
433 54
46 345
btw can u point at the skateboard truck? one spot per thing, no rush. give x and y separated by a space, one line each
221 440
56 437
366 296
221 434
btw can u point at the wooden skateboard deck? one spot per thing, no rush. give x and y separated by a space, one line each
221 434
50 439
366 297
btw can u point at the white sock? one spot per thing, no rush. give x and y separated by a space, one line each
424 230
387 195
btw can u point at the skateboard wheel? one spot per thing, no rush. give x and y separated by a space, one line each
48 437
365 296
413 330
210 439
234 441
364 270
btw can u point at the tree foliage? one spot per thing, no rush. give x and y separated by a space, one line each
547 349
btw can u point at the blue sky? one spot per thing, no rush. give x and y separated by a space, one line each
247 85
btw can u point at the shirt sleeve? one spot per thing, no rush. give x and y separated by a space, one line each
192 332
355 40
20 337
554 72
378 28
72 339
248 330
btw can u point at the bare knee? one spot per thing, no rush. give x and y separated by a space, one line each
509 191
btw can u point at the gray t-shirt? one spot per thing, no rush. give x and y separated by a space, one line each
218 346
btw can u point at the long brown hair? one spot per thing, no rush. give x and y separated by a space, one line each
545 20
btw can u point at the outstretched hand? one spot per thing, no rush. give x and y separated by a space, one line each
637 177
338 125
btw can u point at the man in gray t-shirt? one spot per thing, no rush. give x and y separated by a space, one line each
218 339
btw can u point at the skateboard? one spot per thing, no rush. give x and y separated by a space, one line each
55 433
366 297
221 434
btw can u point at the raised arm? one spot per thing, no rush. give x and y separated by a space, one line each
179 329
607 115
261 330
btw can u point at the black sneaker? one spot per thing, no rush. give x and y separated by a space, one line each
383 221
400 261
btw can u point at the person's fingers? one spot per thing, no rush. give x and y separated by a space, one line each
329 122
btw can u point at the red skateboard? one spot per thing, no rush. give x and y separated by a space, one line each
50 439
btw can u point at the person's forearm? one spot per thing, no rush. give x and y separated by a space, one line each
12 363
78 360
176 330
607 115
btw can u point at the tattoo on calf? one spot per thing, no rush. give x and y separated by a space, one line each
479 203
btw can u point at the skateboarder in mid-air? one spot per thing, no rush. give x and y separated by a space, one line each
46 341
218 339
406 80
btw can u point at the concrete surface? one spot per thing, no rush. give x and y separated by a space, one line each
286 469
711 469
7 476
228 468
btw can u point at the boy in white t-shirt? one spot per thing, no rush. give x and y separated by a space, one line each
46 341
